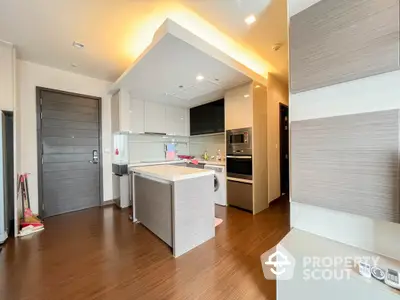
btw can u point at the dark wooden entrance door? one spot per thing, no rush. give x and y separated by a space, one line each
69 152
284 145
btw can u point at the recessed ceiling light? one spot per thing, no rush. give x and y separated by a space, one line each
250 19
277 47
78 45
199 77
74 65
247 96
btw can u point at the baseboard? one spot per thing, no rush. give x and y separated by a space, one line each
3 237
108 202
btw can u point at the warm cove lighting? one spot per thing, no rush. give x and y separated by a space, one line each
143 32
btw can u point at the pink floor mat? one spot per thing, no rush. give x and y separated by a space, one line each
218 221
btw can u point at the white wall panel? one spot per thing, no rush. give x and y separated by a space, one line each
29 76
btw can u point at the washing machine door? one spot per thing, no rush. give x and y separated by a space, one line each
216 183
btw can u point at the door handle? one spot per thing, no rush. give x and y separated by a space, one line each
95 159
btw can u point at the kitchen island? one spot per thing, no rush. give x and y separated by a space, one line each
176 204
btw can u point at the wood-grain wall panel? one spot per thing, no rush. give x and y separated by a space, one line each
69 133
348 163
335 41
60 97
51 123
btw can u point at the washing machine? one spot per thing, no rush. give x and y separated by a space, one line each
219 183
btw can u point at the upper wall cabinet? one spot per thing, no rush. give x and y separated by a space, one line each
208 118
136 116
154 117
336 41
115 113
120 112
239 107
176 120
7 71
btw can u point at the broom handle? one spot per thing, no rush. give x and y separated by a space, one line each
21 188
27 190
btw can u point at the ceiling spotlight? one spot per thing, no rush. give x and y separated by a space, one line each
199 77
250 19
247 96
74 65
78 45
257 86
277 47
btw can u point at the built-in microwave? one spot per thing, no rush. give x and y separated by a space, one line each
238 141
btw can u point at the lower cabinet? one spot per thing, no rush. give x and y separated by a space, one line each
154 206
240 194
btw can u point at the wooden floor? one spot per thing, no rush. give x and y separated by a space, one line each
98 254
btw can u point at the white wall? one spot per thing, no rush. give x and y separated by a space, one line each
29 76
8 102
152 147
376 93
277 93
296 6
209 143
6 76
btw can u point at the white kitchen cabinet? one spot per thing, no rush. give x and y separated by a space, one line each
239 107
120 107
7 72
124 107
155 117
115 113
136 116
176 120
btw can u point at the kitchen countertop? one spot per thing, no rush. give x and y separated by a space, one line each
171 172
171 162
212 162
155 163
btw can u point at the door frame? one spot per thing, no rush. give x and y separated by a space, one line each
39 90
281 160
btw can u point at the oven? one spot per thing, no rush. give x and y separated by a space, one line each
239 166
238 141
